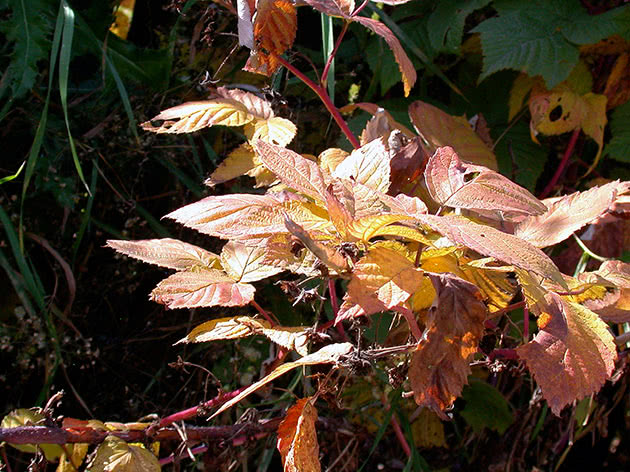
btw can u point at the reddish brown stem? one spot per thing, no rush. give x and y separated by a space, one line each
400 435
194 411
411 321
361 7
265 314
335 308
322 80
503 354
563 164
323 96
525 324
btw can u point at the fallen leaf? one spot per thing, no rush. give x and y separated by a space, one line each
297 438
572 356
169 253
454 326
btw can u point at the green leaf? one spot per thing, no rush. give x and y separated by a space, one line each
486 407
446 23
619 146
540 37
382 63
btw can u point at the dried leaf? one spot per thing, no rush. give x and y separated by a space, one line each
330 354
367 165
440 129
458 184
292 169
297 438
193 116
115 455
572 356
169 253
454 326
569 214
246 264
491 242
382 279
205 288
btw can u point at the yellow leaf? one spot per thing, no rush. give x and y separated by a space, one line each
297 438
123 17
369 227
115 455
520 88
428 430
238 162
439 129
330 158
246 264
368 165
26 417
78 452
330 354
275 130
324 252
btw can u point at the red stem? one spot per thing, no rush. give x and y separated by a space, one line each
400 435
192 412
335 308
503 354
525 323
323 96
264 314
361 7
563 164
411 321
322 80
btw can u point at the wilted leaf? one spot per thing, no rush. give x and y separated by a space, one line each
26 417
203 288
292 169
193 116
367 165
440 129
572 356
297 438
458 184
169 253
486 407
243 326
246 264
382 279
491 242
568 214
454 326
330 354
275 25
115 455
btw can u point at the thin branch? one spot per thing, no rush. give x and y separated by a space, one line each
563 164
588 251
220 399
334 302
331 57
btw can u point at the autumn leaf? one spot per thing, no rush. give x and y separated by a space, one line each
367 165
330 354
330 158
458 184
115 455
256 106
241 161
235 327
274 130
202 288
491 242
440 129
246 264
292 169
614 305
370 227
382 279
297 438
374 109
572 356
454 326
281 252
169 253
568 214
324 252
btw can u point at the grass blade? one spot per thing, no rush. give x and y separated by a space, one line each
8 178
328 45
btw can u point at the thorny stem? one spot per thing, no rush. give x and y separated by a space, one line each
323 96
563 163
331 57
194 411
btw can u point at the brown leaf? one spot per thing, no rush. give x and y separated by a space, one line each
572 356
441 129
382 279
297 438
489 241
169 253
454 326
204 288
458 184
246 264
292 169
193 116
330 354
568 214
407 165
374 109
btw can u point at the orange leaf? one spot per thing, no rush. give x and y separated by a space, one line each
275 25
368 165
205 288
572 356
440 366
458 184
568 214
169 253
440 129
297 438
